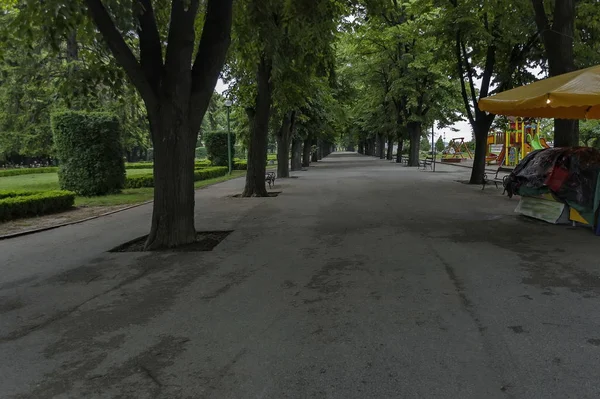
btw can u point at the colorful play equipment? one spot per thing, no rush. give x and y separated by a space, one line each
563 182
455 151
510 147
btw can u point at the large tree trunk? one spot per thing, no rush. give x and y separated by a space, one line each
314 157
414 134
173 212
390 148
558 44
361 147
259 129
399 150
284 136
381 147
306 152
296 154
481 130
319 150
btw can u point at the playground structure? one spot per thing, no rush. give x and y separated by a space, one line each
455 151
510 147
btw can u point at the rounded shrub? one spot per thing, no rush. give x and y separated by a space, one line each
216 147
201 153
88 145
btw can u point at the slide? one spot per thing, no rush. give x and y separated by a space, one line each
537 143
500 159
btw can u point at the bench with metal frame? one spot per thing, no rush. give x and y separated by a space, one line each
495 180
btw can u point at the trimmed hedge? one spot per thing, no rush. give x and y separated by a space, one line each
28 171
240 165
14 205
216 147
88 145
139 165
201 153
150 165
202 164
199 174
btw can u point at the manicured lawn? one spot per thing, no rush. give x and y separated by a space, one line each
45 181
49 181
35 182
136 172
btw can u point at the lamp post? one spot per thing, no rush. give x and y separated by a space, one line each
228 104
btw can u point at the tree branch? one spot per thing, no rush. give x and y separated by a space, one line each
469 71
212 51
461 76
150 47
121 51
181 36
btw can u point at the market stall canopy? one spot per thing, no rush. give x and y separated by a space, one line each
573 95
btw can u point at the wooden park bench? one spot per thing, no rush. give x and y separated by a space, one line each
427 162
497 179
270 178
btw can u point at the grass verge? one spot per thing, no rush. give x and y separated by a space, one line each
131 196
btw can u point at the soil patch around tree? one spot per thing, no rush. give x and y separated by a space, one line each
205 241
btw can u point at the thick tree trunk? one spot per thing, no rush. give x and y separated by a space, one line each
259 129
173 212
381 147
399 150
314 156
306 153
296 154
558 44
319 150
284 136
361 147
414 134
390 148
566 133
481 132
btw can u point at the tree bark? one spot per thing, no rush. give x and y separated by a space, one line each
414 134
176 92
284 137
558 44
390 148
319 150
381 147
399 150
173 211
481 129
259 129
296 154
361 147
306 152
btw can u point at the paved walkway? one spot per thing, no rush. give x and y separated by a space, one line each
364 279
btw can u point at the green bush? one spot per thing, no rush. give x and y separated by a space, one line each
140 181
199 174
202 164
240 165
210 173
89 148
139 165
216 147
14 205
28 171
201 153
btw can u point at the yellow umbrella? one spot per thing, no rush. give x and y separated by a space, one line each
573 95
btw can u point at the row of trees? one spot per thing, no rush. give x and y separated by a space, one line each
163 58
312 72
410 63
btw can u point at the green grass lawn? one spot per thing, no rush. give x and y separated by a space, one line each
49 181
